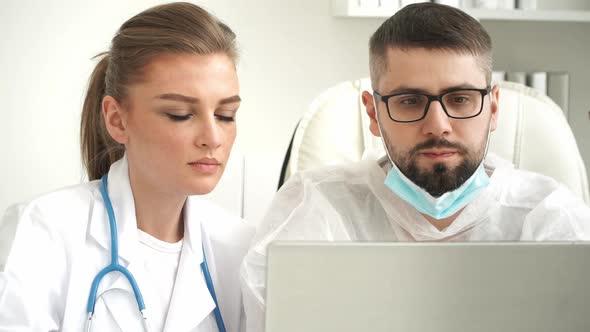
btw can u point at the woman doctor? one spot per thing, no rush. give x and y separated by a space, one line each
158 124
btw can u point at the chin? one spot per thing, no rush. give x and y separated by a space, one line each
202 186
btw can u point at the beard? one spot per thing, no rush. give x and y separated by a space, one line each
438 178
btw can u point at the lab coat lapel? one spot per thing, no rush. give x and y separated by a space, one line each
191 301
121 196
226 240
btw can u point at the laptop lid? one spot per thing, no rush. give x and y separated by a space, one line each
428 287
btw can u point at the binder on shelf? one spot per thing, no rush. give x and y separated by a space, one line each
495 4
553 84
538 81
368 3
364 8
563 5
390 5
404 3
452 3
467 4
498 76
486 4
497 9
516 76
526 4
506 4
558 90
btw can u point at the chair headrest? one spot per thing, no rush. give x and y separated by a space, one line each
532 133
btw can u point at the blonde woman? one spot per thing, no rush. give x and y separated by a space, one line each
136 248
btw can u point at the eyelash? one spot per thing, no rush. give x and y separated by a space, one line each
226 118
179 118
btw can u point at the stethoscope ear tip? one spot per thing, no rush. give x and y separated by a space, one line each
88 322
144 320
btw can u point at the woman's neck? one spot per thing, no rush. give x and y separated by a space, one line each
158 213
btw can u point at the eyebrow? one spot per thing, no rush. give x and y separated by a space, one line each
404 89
193 100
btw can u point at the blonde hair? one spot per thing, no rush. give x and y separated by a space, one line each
178 27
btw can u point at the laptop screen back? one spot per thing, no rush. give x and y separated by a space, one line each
428 287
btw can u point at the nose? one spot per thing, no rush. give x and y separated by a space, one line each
436 122
209 134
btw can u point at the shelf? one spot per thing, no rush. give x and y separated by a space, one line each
350 8
530 15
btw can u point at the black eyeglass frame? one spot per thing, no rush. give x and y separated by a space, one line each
431 98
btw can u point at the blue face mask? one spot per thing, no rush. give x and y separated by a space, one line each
444 206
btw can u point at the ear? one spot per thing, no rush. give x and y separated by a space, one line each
494 97
115 119
369 103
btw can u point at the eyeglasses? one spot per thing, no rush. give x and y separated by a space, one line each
412 107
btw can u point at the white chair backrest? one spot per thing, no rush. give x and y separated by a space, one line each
532 132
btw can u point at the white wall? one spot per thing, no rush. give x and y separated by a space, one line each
291 50
550 46
44 64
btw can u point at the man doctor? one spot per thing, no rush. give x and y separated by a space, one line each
434 108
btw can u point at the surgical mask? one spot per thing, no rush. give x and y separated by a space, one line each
448 203
440 207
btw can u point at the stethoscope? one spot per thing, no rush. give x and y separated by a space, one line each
115 266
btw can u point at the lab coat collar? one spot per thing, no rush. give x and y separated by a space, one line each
121 196
191 301
119 190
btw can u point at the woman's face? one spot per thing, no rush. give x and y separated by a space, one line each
179 123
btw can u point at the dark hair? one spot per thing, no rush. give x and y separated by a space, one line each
430 26
178 27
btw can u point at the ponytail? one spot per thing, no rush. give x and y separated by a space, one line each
98 149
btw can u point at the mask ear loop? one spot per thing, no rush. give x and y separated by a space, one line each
381 131
485 153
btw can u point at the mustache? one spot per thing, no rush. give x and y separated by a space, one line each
438 143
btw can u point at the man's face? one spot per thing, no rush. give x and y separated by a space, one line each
437 153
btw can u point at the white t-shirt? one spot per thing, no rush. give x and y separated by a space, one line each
161 264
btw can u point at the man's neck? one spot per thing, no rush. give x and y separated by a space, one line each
442 224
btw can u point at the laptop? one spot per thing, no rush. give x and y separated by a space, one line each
428 287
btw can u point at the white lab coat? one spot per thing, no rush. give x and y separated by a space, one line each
62 241
352 204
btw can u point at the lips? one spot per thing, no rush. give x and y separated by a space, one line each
206 161
438 153
205 165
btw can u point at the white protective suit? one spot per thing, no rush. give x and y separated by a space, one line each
62 241
352 204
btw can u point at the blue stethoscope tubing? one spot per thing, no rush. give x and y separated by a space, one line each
115 266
